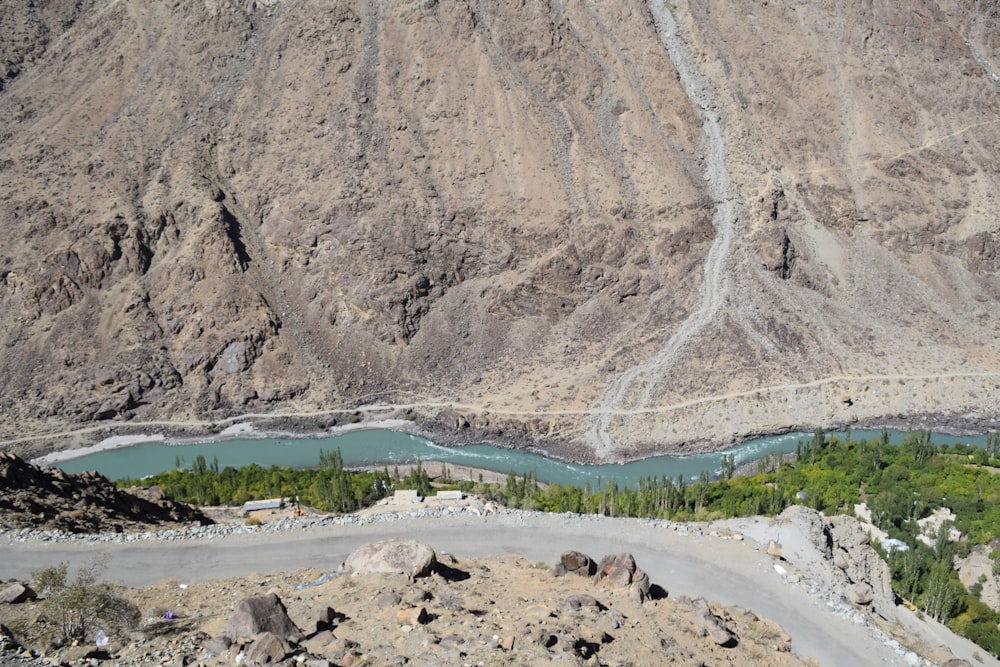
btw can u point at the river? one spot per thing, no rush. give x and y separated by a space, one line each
379 446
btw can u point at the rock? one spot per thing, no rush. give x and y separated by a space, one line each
620 571
321 643
267 649
507 643
17 593
410 557
264 613
711 625
7 640
580 601
413 616
575 562
217 645
860 593
388 599
773 549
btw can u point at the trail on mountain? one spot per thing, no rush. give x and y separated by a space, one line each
714 287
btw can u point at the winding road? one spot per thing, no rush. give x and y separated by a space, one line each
727 571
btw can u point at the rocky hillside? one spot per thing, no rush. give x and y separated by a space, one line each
606 228
32 497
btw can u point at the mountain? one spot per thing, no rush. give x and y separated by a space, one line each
608 229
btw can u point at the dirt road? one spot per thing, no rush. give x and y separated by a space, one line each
727 571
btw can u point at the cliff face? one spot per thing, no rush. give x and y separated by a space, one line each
604 226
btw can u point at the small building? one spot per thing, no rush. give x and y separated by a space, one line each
892 544
257 505
404 496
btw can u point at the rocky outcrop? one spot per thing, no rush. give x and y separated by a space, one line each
837 553
81 503
868 579
408 557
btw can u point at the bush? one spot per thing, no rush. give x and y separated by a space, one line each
72 608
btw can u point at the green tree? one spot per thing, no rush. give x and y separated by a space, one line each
942 593
728 466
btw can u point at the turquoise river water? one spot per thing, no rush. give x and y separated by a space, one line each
376 446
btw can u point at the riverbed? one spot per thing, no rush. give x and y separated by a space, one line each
241 446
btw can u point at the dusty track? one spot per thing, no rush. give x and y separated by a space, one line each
730 572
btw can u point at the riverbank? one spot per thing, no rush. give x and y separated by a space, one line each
54 448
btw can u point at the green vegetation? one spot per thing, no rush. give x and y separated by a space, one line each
327 487
72 608
900 485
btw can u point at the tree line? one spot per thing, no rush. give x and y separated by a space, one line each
900 484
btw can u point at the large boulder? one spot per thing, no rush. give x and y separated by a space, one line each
410 557
264 613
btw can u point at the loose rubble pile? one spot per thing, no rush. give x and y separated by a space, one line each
36 498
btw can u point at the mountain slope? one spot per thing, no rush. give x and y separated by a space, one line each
509 213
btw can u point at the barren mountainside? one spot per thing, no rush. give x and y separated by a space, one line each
609 229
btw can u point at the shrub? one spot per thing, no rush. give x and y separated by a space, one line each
73 607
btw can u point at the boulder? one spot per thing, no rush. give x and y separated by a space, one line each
860 593
267 649
17 593
620 571
321 643
264 613
410 557
575 562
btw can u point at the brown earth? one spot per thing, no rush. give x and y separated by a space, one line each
503 610
497 218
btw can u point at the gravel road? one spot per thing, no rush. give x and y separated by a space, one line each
683 561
